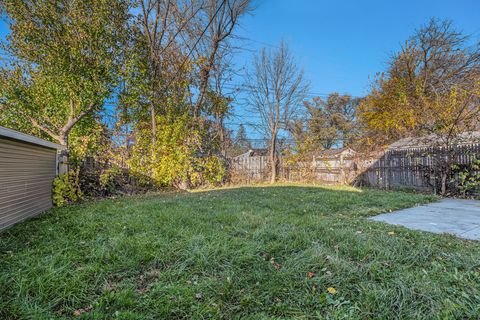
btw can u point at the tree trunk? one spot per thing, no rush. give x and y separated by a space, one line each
222 141
444 183
273 159
62 139
63 165
205 76
154 127
445 170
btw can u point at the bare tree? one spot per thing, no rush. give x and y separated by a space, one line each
220 106
277 91
182 33
436 58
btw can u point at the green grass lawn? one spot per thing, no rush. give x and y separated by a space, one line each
250 252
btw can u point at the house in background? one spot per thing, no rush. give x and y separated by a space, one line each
251 153
253 164
332 157
28 166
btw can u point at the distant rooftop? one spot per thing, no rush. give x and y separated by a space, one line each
335 153
253 152
432 140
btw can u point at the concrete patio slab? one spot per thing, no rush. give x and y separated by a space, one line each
454 216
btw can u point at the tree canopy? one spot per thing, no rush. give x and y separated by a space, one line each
431 87
63 63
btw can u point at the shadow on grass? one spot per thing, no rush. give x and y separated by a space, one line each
284 197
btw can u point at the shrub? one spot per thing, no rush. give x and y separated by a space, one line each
66 189
179 158
108 180
469 178
104 180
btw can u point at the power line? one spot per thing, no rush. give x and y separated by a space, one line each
248 88
180 29
197 42
259 42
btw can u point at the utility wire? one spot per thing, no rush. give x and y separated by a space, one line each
196 43
249 88
181 29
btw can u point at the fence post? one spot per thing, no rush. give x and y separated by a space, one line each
386 172
342 170
62 162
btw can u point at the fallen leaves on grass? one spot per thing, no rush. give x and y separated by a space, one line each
79 312
332 290
276 265
310 274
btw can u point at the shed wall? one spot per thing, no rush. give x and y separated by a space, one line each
26 175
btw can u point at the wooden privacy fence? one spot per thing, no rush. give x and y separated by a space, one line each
415 168
325 170
419 168
250 169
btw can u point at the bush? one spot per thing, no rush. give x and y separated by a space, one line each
468 178
179 158
102 180
97 182
66 189
108 180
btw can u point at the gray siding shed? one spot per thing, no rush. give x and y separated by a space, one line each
28 166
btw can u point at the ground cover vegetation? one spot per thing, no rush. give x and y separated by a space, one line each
239 252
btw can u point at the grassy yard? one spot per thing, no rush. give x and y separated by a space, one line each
287 251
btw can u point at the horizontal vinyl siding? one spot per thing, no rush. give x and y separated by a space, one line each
26 175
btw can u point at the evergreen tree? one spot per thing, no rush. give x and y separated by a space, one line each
241 140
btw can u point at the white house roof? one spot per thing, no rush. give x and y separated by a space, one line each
334 153
432 140
252 153
15 135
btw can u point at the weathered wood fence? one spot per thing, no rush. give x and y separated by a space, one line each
415 168
325 170
419 168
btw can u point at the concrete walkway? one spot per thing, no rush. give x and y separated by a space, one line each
458 217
